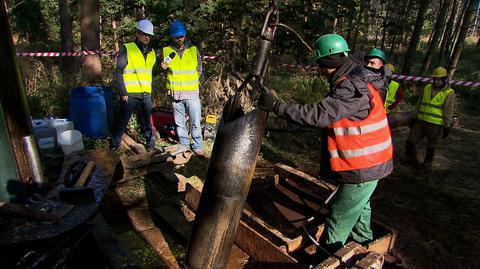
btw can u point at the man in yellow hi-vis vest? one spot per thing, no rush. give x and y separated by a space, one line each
133 73
183 63
434 117
394 94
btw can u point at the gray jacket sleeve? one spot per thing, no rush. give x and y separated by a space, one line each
344 101
122 62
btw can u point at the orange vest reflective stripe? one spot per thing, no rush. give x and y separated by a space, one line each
361 144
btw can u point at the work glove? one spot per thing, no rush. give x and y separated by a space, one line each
266 101
445 133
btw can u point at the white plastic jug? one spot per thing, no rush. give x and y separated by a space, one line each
39 123
61 125
70 141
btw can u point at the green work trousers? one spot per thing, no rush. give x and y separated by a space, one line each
350 215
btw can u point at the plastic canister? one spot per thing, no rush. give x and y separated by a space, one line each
70 141
61 125
46 137
39 123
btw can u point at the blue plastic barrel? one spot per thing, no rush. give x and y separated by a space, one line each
108 95
88 111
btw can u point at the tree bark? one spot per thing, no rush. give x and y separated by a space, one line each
384 23
448 32
66 36
358 23
453 41
90 27
438 29
457 50
417 30
115 37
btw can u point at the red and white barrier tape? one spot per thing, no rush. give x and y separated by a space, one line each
63 54
472 84
308 68
82 53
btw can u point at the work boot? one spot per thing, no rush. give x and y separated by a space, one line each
411 154
427 163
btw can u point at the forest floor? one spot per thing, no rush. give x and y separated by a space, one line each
435 212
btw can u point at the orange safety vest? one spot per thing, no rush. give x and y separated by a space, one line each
361 144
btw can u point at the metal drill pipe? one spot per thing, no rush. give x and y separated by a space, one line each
229 175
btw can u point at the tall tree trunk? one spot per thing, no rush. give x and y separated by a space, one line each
448 31
366 24
417 30
90 27
405 22
115 37
457 50
358 23
350 27
453 40
384 23
66 36
438 29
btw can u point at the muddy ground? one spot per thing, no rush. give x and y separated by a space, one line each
436 212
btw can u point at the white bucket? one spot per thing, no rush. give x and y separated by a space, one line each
70 141
61 125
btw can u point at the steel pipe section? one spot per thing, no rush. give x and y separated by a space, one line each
226 187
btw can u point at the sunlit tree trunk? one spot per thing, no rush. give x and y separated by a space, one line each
90 28
457 50
115 37
414 40
438 29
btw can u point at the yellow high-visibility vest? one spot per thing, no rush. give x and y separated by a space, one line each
392 91
137 75
182 71
431 109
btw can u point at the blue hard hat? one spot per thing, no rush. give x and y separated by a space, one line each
177 28
145 26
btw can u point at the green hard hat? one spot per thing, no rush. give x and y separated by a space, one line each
330 44
378 53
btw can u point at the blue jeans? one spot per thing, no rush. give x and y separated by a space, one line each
194 109
143 107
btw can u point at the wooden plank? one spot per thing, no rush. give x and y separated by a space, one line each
262 250
373 260
383 244
82 179
108 243
183 227
176 220
155 238
255 244
299 176
140 218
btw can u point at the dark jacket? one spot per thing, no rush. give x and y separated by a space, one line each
348 98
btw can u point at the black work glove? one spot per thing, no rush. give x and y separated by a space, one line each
445 133
266 101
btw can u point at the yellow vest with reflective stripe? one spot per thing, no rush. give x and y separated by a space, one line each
137 75
182 71
392 91
431 109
